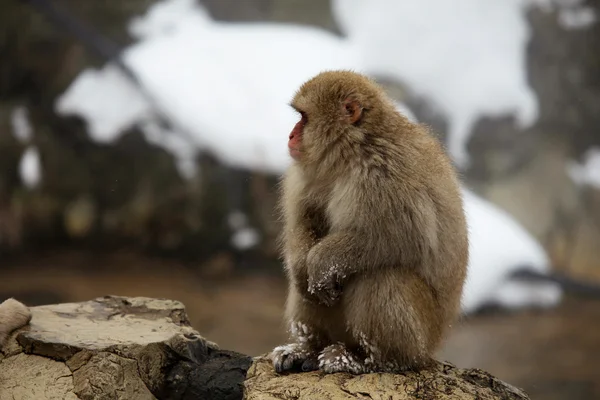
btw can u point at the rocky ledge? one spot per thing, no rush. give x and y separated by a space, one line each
142 348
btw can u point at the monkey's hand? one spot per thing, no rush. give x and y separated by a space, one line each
325 277
297 271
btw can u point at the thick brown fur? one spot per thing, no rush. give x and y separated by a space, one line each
374 240
13 315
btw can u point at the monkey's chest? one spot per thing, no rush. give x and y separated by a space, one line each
318 221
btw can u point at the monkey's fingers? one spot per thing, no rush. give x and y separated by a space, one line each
289 357
311 364
329 296
337 358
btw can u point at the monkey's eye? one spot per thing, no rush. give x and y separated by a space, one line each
303 116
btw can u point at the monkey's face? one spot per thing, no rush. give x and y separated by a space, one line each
337 110
321 125
295 138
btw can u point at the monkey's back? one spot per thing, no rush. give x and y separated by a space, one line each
415 297
434 176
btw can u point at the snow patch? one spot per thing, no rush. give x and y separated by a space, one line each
571 14
244 236
588 172
466 56
498 246
30 167
107 100
21 127
577 18
516 294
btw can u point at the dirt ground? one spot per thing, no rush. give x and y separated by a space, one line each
552 354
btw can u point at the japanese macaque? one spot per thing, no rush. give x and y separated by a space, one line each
13 315
374 239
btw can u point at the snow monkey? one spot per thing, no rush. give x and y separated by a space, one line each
13 315
374 240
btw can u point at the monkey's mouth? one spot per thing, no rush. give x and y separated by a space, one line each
295 153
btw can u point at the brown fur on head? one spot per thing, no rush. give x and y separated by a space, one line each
340 111
374 239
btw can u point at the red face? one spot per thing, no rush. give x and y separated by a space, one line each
295 139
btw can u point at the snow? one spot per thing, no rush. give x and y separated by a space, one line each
588 172
232 81
213 79
185 153
499 245
571 14
228 85
465 56
244 236
108 100
577 18
21 127
30 167
163 17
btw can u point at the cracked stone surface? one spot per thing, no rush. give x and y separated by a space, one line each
140 348
117 348
443 382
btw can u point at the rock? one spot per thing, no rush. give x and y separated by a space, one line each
143 348
443 381
117 348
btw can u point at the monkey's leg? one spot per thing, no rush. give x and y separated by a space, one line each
395 320
306 332
301 354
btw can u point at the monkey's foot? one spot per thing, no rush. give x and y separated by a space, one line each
294 356
337 358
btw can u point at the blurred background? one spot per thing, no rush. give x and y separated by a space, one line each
141 143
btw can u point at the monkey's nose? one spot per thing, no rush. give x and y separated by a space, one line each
291 136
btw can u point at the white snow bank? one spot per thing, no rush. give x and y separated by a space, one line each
465 56
108 101
227 84
499 245
588 172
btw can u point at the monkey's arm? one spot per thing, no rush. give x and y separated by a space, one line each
302 232
382 234
303 225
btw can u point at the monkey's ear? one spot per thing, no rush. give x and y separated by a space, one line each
352 110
